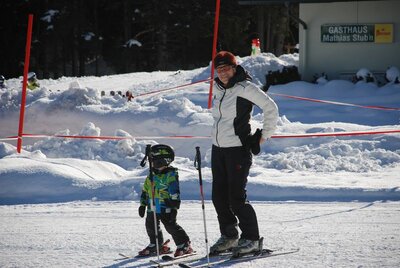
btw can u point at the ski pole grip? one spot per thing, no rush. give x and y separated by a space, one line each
198 157
147 154
148 147
198 166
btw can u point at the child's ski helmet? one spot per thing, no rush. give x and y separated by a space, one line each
161 155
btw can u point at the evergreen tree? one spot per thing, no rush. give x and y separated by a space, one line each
98 37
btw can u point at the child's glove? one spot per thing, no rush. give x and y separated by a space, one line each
142 210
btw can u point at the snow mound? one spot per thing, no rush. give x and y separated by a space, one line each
393 75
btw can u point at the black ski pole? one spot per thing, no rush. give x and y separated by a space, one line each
197 164
153 202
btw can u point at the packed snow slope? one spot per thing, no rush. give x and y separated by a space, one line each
52 169
91 234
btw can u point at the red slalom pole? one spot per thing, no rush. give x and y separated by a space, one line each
24 82
214 51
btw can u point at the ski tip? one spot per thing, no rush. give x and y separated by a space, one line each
267 251
167 258
123 256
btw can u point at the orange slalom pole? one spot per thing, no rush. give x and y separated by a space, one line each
214 50
24 83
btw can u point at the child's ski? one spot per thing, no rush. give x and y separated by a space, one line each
124 256
170 260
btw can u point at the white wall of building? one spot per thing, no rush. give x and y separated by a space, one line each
336 58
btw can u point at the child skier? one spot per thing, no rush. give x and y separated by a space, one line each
33 83
165 187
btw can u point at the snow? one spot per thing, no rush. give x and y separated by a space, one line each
49 15
363 74
132 42
72 202
88 36
393 74
91 234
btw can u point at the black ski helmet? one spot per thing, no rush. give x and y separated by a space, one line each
161 155
2 78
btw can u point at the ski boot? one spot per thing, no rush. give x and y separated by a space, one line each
246 247
183 249
151 249
223 244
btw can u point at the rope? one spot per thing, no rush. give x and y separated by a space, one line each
171 88
304 135
337 103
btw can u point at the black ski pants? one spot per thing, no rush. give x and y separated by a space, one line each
230 168
173 228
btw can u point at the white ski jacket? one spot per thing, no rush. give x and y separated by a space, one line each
232 109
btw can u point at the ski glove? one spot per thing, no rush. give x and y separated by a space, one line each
255 142
142 210
252 142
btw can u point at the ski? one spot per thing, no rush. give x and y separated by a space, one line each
244 258
124 256
218 256
215 258
170 260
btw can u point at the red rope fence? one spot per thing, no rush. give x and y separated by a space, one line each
336 102
375 107
171 88
305 135
281 136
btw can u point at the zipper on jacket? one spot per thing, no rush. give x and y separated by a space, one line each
220 116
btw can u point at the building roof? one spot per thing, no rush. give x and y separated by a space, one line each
269 2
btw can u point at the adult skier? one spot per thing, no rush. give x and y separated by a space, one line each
163 187
233 145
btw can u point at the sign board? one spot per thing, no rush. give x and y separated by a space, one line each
352 33
383 33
